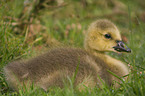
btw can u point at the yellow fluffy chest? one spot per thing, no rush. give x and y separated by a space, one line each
116 66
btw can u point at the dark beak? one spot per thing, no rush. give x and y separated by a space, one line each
121 47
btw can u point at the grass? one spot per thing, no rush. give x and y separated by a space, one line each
23 34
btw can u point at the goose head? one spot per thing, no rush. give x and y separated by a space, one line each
104 36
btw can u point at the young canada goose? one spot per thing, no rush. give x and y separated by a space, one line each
55 66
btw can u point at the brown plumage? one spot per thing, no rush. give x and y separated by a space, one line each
55 66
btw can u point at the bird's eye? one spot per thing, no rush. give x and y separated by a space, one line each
108 36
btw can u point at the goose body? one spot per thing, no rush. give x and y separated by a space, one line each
55 66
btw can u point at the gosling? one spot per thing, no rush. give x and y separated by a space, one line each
54 67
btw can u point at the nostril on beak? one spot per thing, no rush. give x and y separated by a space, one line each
120 43
117 41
